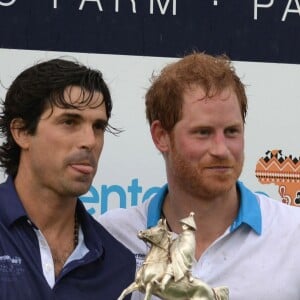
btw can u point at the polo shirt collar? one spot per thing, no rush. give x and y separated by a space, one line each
155 206
249 212
11 206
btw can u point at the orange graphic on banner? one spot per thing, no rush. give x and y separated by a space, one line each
283 171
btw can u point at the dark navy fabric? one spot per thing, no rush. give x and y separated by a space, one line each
266 32
101 274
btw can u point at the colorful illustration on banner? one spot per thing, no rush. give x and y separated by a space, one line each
284 172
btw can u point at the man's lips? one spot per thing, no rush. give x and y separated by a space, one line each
83 168
82 162
219 168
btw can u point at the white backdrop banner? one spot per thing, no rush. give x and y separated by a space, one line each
131 169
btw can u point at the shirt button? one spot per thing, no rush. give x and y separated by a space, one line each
48 267
43 243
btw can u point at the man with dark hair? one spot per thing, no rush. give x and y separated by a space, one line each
246 241
53 122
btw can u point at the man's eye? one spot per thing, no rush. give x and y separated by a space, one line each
232 131
100 126
204 132
69 122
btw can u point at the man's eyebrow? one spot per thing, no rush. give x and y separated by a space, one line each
75 115
103 122
70 114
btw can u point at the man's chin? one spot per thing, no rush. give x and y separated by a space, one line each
219 186
80 188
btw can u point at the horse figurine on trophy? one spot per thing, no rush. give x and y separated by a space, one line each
166 271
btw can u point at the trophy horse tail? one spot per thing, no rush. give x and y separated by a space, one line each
221 293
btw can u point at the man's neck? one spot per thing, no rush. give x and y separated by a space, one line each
54 216
43 206
212 217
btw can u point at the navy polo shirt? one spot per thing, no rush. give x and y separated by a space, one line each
102 274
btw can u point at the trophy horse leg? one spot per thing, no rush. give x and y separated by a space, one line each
148 291
131 288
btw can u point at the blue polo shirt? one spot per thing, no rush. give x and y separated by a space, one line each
249 212
104 271
255 257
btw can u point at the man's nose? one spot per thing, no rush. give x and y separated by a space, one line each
87 138
219 145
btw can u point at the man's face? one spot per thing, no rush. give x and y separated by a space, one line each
63 154
207 145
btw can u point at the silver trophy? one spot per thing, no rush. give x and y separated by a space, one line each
166 271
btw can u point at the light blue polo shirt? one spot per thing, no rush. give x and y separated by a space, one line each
249 211
256 257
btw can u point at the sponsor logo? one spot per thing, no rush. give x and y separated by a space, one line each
99 200
159 6
283 171
140 258
10 268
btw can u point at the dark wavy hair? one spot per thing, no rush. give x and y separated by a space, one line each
39 87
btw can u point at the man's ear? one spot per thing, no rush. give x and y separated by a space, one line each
19 134
160 137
